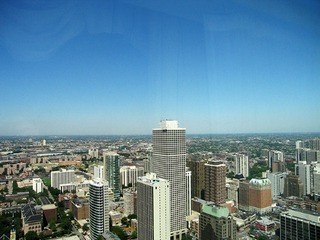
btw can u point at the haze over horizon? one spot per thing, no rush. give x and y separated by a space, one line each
119 67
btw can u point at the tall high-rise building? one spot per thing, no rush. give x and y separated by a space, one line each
299 144
308 155
293 186
112 167
61 177
98 198
299 147
188 192
260 197
299 224
216 223
277 180
316 181
153 207
196 166
98 172
315 144
169 162
275 156
242 164
94 153
130 174
37 185
232 187
305 172
215 182
244 193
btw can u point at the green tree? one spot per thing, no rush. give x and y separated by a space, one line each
85 227
119 232
15 187
134 235
132 216
31 235
124 221
52 225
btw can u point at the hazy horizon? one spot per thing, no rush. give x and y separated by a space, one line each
316 134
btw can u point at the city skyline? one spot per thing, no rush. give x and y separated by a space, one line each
118 67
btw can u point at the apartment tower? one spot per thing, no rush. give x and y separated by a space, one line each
98 199
275 156
153 207
169 162
61 177
293 186
188 192
215 182
242 164
112 167
196 166
260 195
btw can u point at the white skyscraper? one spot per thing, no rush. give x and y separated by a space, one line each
98 172
242 164
316 180
277 180
98 198
61 177
37 185
188 192
153 197
130 174
93 153
304 171
299 148
169 162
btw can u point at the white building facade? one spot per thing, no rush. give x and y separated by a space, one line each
37 185
188 192
153 207
61 177
242 164
130 174
277 180
99 210
98 172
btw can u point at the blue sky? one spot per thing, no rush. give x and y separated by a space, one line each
119 67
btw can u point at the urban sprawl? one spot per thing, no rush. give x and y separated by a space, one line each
168 185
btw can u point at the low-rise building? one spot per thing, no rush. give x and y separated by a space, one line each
80 208
216 223
31 215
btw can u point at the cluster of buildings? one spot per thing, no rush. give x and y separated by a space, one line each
173 196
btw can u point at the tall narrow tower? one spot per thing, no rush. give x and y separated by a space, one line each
242 164
112 170
99 219
169 162
153 207
215 182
